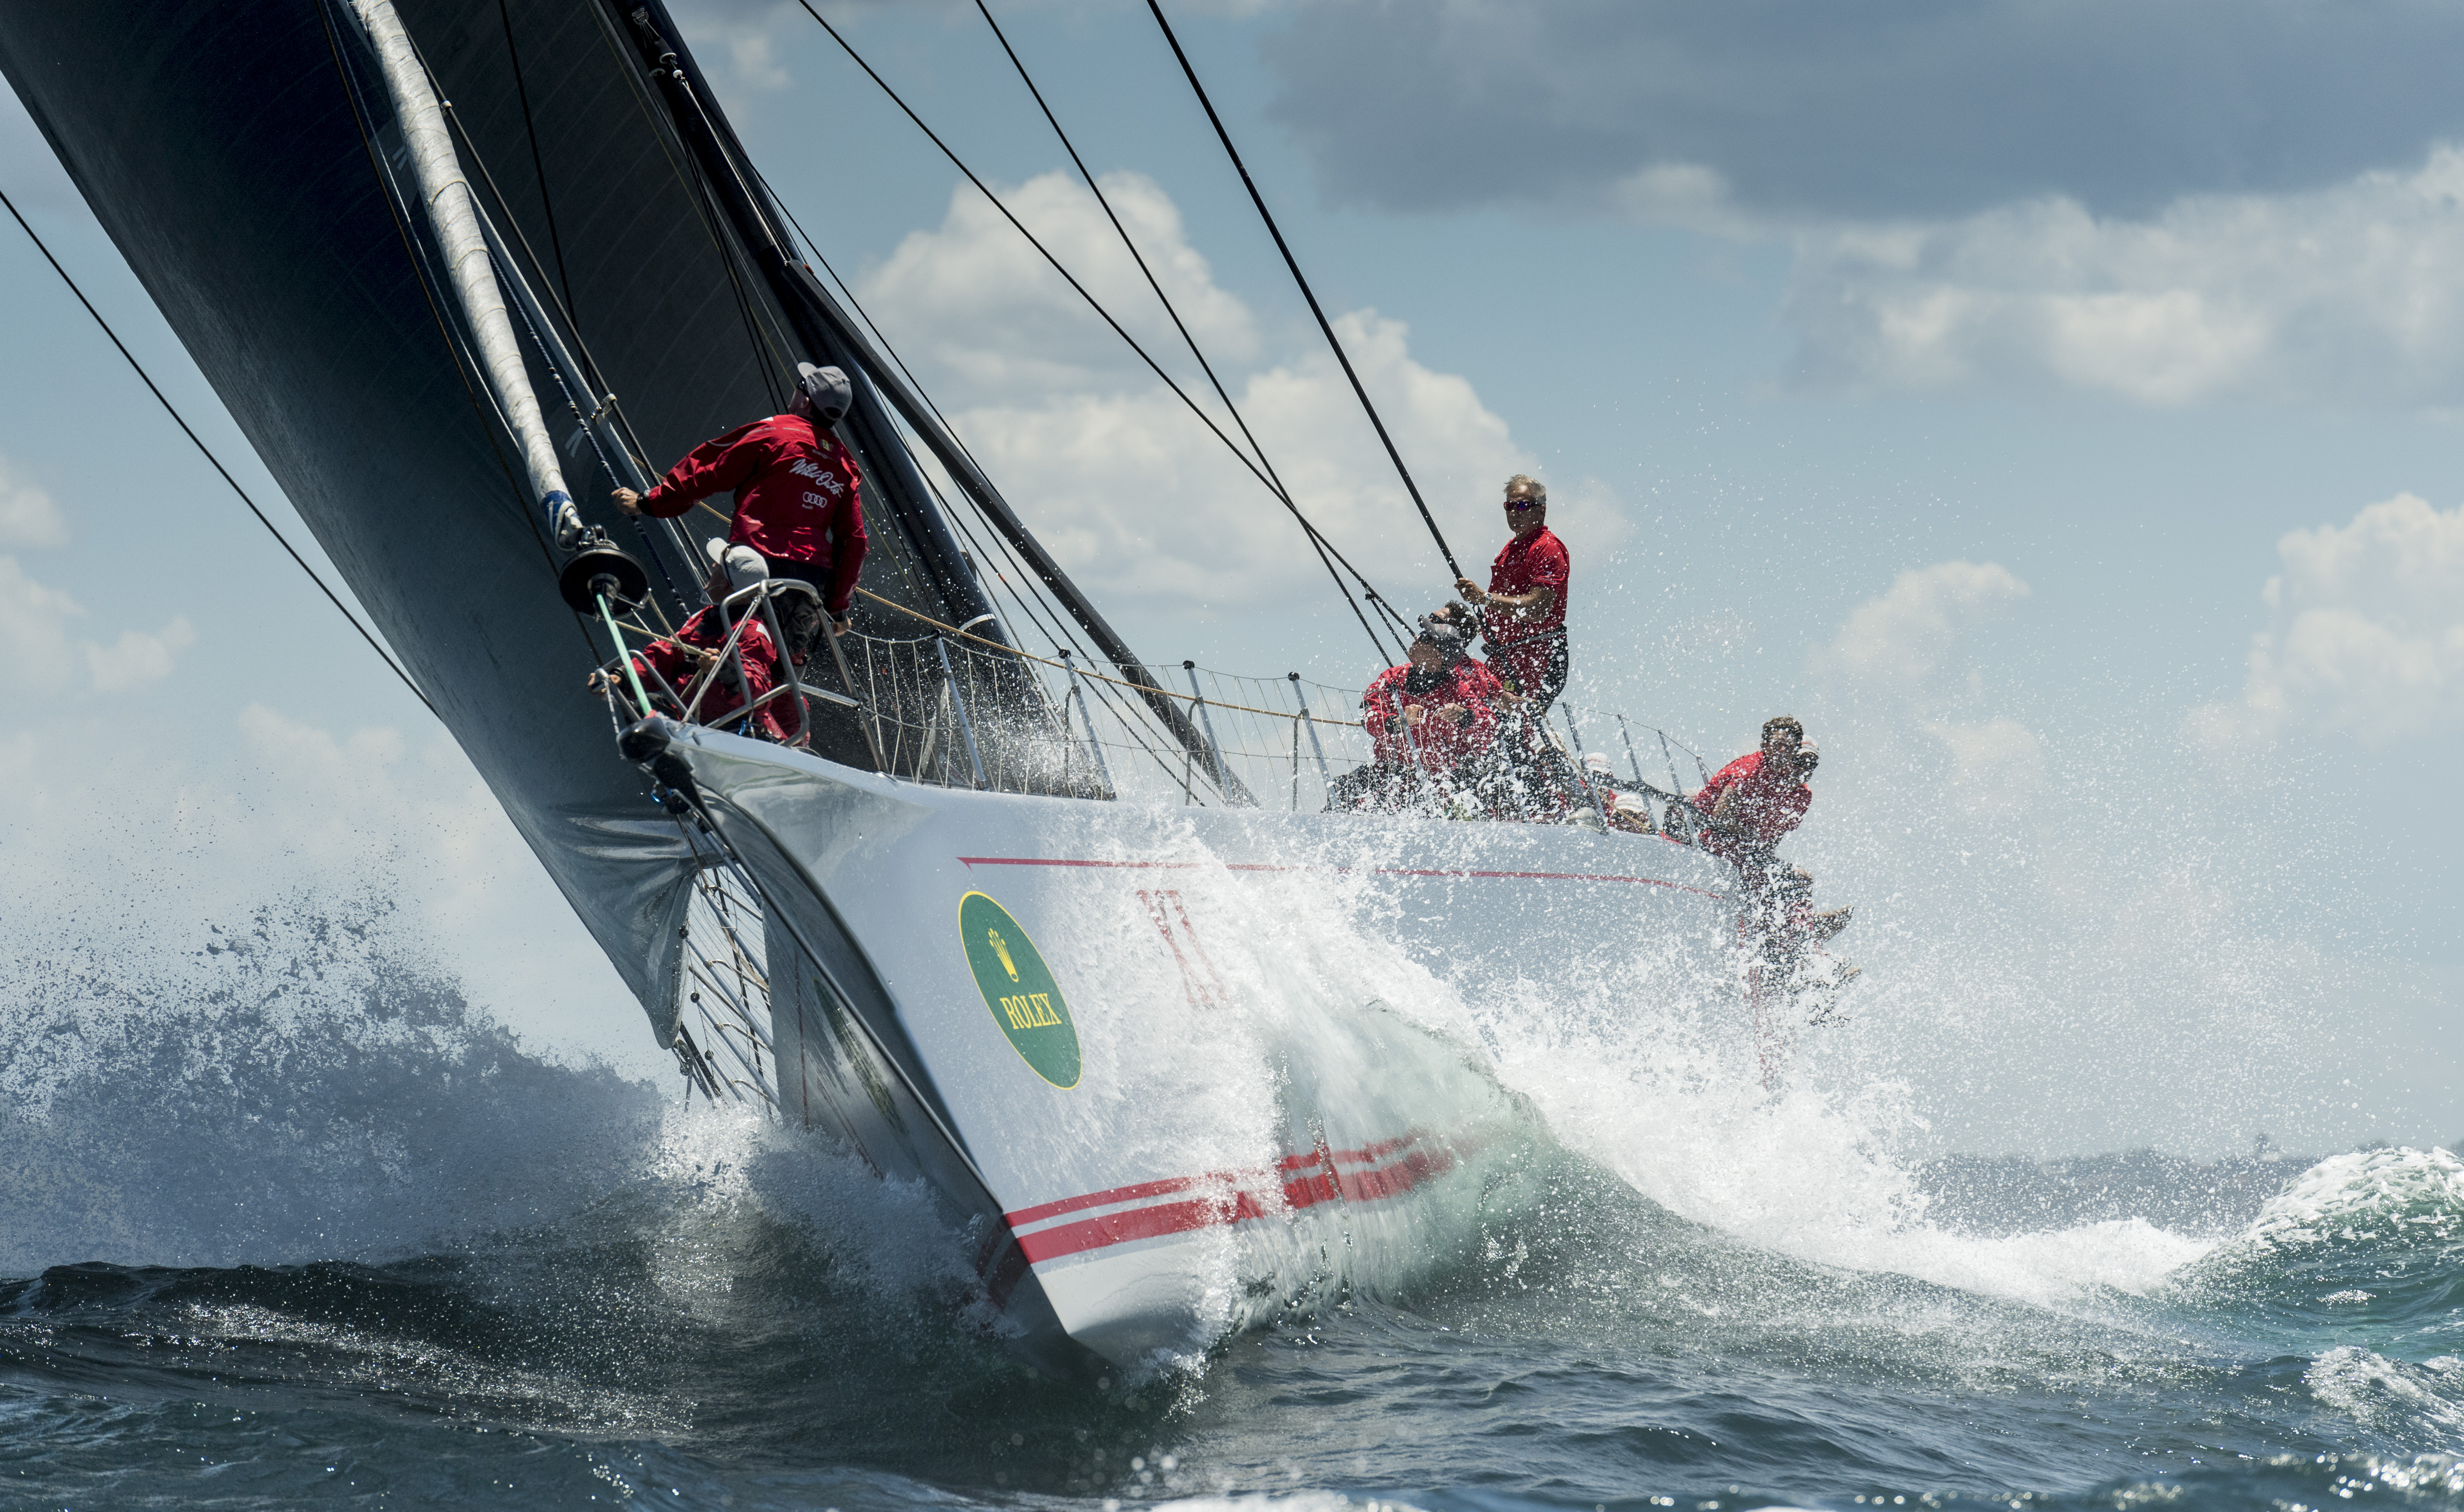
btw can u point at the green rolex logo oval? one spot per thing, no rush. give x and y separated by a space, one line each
1019 989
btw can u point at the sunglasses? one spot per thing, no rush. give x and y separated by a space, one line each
1525 505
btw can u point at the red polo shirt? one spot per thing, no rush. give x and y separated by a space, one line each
1766 807
1526 564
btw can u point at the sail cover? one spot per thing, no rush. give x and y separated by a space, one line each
234 155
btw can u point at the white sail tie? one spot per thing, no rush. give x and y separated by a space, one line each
463 248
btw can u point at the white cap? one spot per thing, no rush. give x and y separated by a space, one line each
1632 803
1596 760
744 564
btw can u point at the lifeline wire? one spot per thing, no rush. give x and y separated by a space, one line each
195 439
1293 263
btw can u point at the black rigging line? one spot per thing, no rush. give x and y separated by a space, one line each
1274 480
522 92
890 351
208 452
563 304
848 293
1096 306
1293 263
764 357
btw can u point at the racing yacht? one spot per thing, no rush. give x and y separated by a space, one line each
1018 918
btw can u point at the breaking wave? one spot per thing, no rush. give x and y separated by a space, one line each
295 1181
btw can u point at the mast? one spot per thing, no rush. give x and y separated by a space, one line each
819 321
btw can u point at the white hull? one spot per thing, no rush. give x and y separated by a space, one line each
1278 1090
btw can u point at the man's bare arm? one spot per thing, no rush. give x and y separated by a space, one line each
1525 606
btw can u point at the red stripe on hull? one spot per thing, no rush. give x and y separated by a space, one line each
1325 1182
1138 1223
1366 1155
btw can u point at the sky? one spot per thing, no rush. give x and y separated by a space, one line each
2058 409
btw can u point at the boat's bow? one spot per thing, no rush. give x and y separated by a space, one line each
1187 1067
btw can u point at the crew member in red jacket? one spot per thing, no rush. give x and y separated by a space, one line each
795 490
1523 610
1423 719
1441 695
693 653
1757 798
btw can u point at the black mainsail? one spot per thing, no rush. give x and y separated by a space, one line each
245 161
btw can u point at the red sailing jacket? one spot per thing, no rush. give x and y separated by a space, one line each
1765 808
796 495
1440 741
773 720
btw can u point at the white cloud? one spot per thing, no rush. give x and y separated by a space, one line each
139 659
1906 638
1003 324
2365 633
28 517
747 32
1128 489
35 646
39 652
1818 111
2343 294
259 808
1902 684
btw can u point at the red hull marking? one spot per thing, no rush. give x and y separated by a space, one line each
1197 992
1343 871
1368 1155
1138 1223
1224 1211
1015 861
1098 1199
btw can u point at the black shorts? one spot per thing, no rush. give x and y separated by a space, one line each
817 573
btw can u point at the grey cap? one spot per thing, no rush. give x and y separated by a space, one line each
745 566
827 388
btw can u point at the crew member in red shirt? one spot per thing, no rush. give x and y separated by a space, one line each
1424 718
1441 695
693 653
1522 611
796 489
1756 799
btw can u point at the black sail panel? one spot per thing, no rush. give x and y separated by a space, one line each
221 150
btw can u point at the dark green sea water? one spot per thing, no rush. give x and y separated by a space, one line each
344 1243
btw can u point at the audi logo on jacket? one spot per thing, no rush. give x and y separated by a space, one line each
796 495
